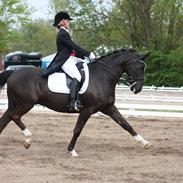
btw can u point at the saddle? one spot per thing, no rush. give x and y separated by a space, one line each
59 82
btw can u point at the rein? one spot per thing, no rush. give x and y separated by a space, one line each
115 73
110 70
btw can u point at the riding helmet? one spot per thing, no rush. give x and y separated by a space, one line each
60 16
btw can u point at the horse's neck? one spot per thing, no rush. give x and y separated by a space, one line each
113 66
110 73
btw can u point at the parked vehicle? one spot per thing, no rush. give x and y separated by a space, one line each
22 58
18 67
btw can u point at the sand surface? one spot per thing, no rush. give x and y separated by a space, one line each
107 153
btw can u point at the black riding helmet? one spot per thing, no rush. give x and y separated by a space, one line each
60 16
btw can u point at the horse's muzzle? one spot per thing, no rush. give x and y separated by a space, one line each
136 87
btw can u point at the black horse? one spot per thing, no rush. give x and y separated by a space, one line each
27 87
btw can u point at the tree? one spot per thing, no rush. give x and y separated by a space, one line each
90 21
13 13
150 23
38 35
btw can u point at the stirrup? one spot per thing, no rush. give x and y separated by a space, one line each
73 106
76 106
79 105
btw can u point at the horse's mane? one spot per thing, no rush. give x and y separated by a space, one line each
117 51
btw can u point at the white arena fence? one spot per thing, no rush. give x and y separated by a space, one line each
152 101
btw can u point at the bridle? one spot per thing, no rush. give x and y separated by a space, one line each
117 74
136 78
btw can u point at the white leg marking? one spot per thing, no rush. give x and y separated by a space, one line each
27 133
141 140
74 153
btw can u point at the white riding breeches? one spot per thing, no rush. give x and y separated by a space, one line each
69 67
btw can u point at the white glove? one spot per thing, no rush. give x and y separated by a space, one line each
92 56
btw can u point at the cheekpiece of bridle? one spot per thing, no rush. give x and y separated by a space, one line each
133 80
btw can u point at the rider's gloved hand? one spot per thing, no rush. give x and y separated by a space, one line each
92 57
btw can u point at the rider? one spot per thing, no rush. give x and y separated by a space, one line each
64 59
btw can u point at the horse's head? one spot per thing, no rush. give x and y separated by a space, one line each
135 69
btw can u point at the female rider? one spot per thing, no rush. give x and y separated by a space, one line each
67 51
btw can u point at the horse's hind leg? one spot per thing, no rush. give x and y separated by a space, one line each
113 112
26 132
4 120
16 115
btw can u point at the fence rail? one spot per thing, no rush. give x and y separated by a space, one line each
156 88
161 101
152 101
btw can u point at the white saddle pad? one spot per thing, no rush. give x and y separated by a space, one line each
57 82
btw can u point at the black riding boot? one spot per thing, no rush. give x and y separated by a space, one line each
75 104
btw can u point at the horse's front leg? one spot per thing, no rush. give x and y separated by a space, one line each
113 112
82 119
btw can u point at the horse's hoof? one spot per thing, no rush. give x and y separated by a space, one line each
147 145
27 143
74 153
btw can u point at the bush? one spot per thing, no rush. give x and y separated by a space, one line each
165 69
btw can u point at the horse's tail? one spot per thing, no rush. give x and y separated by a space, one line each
4 77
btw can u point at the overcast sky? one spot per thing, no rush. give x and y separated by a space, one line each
41 7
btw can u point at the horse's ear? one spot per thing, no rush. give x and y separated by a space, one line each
144 56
